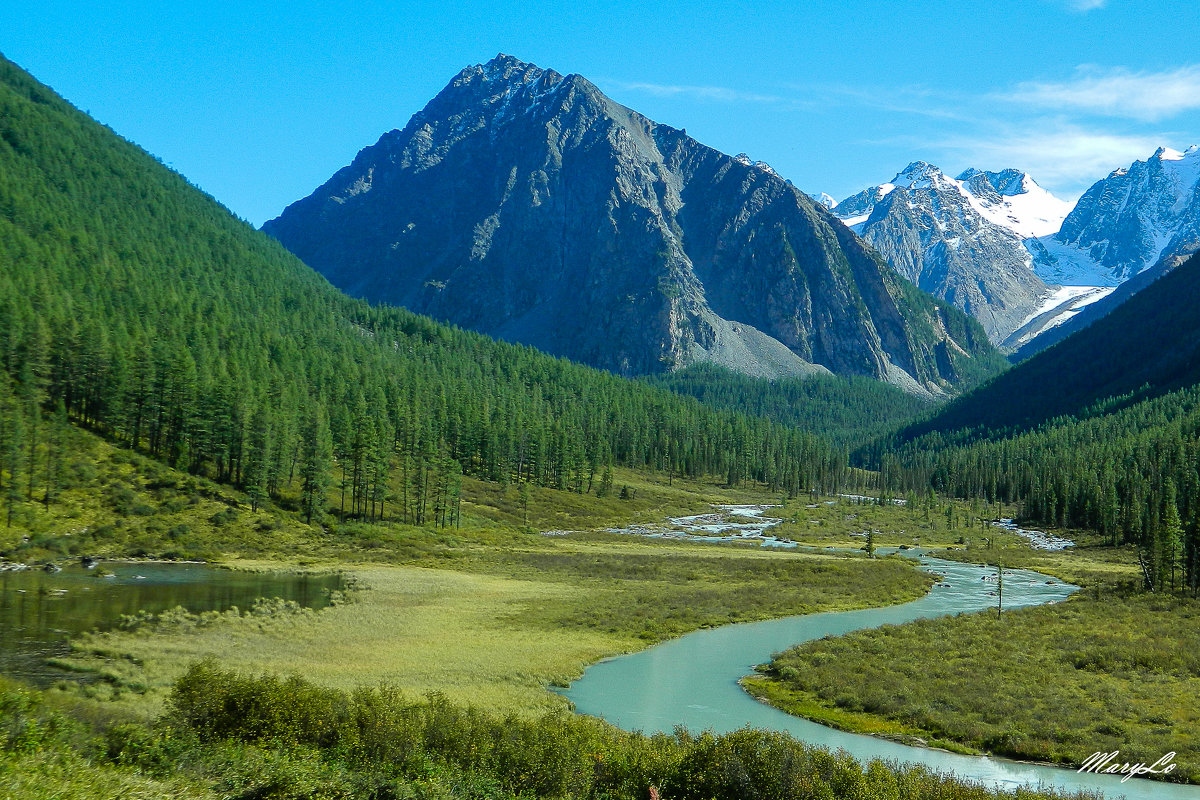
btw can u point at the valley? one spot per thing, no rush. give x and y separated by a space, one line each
546 451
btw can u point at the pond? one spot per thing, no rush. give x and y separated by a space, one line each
39 610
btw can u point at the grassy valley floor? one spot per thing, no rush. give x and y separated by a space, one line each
501 628
488 614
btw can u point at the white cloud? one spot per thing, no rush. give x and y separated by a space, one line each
1061 156
711 93
1117 93
1087 5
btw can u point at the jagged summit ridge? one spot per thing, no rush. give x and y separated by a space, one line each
1130 221
528 205
961 238
1009 198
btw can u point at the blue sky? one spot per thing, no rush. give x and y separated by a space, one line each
259 102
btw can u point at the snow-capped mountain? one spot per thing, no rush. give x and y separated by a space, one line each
1013 200
824 199
1010 199
961 239
1126 223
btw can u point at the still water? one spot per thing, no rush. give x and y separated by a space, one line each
693 681
40 610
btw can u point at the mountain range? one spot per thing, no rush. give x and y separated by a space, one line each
960 239
527 205
1127 222
1020 260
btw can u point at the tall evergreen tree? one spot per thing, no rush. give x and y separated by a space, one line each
316 456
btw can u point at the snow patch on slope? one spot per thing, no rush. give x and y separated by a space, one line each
823 199
1059 306
1029 213
1082 295
1064 264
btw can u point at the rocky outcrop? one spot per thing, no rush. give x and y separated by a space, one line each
1128 222
936 231
527 205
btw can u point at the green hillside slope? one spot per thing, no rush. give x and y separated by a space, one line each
1148 346
147 312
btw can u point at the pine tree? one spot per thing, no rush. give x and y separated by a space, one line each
606 482
258 447
316 455
1172 534
12 437
56 431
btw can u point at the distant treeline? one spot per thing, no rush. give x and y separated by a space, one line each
1131 472
848 411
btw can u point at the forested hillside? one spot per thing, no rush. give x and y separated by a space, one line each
1146 347
848 411
135 305
1100 431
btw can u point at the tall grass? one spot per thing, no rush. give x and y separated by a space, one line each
505 623
1053 683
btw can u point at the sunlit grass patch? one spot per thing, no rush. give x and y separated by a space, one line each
1052 683
504 623
61 775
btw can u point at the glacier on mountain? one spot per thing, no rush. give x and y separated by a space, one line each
1127 222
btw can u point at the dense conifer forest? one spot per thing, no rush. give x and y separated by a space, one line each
847 411
1101 431
132 304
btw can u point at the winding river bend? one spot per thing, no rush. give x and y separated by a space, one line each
693 681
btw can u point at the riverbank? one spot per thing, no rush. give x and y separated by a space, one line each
500 624
691 682
770 691
1044 685
1051 684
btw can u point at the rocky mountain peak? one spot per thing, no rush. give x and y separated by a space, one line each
960 239
1166 154
917 175
531 207
1130 221
1006 183
745 160
506 68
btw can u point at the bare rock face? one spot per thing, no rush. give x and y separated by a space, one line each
933 230
527 205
